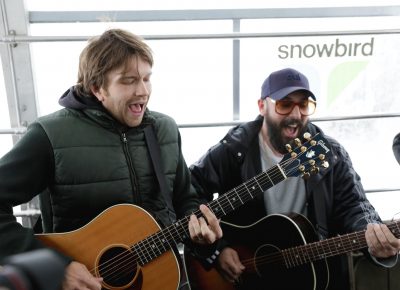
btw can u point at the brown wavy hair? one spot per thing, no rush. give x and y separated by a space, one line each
105 53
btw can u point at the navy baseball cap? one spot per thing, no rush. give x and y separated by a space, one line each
283 82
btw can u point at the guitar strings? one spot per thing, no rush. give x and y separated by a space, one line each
317 250
113 263
309 252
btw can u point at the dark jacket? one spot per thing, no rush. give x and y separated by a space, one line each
336 202
396 147
88 162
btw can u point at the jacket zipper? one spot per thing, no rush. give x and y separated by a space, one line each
135 194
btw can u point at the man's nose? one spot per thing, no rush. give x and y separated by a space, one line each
142 89
295 113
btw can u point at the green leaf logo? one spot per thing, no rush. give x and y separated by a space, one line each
341 76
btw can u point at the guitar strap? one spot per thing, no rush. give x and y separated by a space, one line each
320 210
155 156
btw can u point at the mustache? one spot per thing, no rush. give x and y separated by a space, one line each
291 121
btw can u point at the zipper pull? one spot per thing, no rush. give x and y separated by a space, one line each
124 139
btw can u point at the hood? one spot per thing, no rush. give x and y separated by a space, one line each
71 99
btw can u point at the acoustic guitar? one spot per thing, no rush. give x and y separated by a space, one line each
280 252
127 247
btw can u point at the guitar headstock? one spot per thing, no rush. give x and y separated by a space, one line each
306 157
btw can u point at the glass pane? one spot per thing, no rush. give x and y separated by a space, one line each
386 203
194 76
369 143
196 141
192 80
350 75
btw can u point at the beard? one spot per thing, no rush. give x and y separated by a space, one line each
275 132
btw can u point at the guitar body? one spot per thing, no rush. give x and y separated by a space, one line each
259 246
103 245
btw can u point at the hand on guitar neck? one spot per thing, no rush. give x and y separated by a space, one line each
204 232
381 241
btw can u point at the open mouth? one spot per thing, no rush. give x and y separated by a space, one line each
291 130
136 108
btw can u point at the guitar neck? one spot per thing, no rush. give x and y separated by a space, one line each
160 242
330 247
247 191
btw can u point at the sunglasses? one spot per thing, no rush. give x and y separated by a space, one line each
285 107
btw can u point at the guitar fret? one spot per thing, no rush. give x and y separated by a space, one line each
306 253
291 264
170 236
153 247
220 207
248 190
320 251
340 243
144 252
227 198
176 227
255 179
296 257
185 235
238 196
165 241
269 179
281 170
285 255
161 243
139 257
302 257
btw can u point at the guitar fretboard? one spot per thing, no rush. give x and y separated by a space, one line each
330 247
162 241
247 191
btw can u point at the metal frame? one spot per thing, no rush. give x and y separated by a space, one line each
18 76
207 14
17 66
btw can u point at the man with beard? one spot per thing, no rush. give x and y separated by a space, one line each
333 199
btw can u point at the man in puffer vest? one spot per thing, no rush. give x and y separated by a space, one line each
94 155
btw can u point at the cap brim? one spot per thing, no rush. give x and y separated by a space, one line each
278 95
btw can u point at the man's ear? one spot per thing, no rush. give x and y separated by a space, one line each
97 92
262 106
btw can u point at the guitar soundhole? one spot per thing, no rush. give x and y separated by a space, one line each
117 266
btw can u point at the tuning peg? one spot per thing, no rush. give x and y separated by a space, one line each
313 142
314 170
321 156
288 148
312 162
307 136
306 175
303 149
325 164
302 168
293 154
297 141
